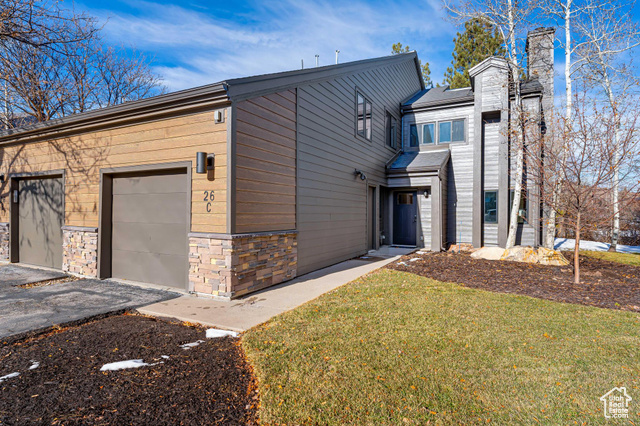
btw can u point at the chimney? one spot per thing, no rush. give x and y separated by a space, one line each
540 61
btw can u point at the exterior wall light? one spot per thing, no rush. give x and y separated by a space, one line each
361 174
204 162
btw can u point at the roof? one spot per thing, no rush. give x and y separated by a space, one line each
438 96
415 161
208 96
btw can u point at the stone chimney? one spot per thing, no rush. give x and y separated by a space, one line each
540 61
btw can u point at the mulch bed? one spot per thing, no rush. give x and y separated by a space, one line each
208 384
603 284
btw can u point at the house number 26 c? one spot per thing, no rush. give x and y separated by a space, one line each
208 198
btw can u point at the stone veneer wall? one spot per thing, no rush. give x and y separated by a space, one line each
80 251
232 265
4 242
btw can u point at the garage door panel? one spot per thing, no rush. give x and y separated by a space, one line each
149 267
143 208
149 238
150 223
40 221
149 184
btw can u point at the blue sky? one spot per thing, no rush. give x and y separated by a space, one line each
200 42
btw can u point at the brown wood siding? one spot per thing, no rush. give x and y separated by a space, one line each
266 163
163 141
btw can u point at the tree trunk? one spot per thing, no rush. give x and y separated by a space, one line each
519 136
615 231
576 253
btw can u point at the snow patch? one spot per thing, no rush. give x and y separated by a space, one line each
164 356
569 244
414 259
34 365
212 333
9 376
192 344
122 365
402 263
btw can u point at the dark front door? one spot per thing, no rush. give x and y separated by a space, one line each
404 218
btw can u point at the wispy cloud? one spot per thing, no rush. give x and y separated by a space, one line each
196 46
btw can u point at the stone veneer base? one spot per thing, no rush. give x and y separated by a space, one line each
229 266
80 251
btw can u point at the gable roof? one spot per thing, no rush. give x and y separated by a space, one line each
209 96
415 161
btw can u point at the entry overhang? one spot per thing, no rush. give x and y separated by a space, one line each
415 168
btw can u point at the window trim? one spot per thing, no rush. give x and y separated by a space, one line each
484 207
367 99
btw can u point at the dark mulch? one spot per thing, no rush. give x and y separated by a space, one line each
604 284
208 384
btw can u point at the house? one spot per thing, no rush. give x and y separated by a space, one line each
232 187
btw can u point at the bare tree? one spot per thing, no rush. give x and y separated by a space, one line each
609 35
511 19
586 163
68 77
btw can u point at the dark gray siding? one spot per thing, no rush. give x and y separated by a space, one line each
332 201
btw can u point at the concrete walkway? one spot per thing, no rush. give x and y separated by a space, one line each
244 313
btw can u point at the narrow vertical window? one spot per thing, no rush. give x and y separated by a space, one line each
491 207
444 132
523 209
367 122
428 133
360 116
413 135
457 131
392 131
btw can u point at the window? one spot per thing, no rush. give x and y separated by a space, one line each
363 116
429 134
490 206
413 135
523 210
451 131
405 198
392 131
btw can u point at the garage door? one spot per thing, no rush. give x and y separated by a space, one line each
149 228
40 221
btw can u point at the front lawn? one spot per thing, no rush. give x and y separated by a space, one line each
624 258
396 348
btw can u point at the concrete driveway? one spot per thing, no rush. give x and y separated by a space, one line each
27 309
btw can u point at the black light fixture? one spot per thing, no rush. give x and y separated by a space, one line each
204 162
360 173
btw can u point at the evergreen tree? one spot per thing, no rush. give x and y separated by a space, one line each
426 71
479 41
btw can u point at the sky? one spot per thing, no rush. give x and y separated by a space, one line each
201 42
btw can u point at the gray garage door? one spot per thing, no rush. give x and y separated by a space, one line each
40 221
149 228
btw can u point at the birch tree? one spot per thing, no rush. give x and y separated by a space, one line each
610 35
511 19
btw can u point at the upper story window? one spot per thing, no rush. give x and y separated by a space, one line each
363 116
413 135
451 131
392 131
436 133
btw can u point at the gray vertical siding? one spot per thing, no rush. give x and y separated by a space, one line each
491 145
458 188
424 206
332 216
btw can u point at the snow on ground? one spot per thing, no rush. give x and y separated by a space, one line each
192 344
164 356
34 365
569 244
121 365
415 259
212 333
8 376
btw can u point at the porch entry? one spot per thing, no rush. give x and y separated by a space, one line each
405 218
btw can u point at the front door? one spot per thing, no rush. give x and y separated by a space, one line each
404 218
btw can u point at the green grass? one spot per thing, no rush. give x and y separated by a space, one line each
626 258
395 348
